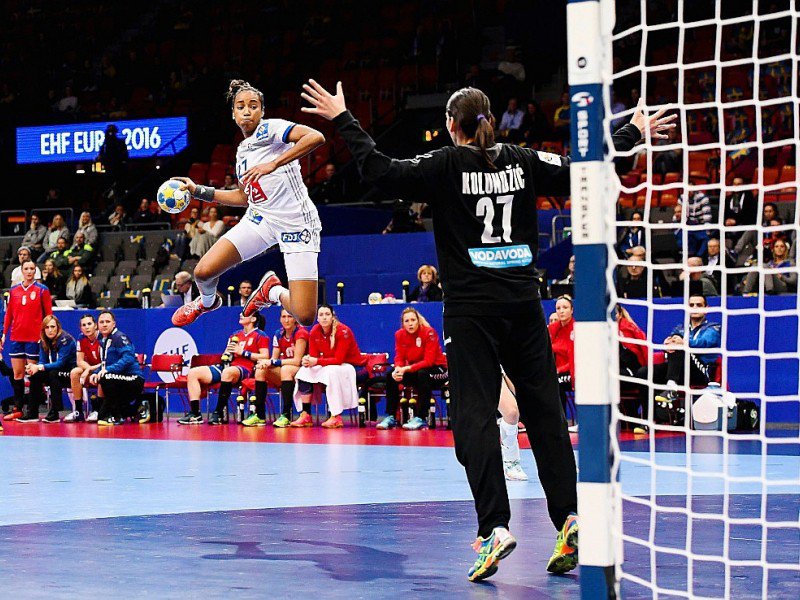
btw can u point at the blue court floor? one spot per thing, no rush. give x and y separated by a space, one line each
88 517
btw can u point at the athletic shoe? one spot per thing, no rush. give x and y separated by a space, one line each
513 471
565 554
216 418
92 417
304 420
388 423
260 298
254 421
144 413
191 419
573 428
491 550
415 424
34 418
108 422
282 421
188 313
333 422
74 417
667 396
52 417
13 415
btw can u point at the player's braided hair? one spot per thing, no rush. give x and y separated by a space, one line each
240 85
470 109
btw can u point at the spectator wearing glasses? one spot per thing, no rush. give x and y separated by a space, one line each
184 285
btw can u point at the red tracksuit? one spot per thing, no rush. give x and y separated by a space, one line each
562 338
345 350
420 350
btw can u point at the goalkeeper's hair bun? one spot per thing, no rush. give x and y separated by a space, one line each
240 85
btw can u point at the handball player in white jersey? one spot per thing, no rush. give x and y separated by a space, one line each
279 211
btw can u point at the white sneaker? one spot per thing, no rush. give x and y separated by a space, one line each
573 428
74 417
92 418
513 471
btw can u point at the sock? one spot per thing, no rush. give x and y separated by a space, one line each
208 292
261 397
287 398
79 405
225 389
275 293
208 299
18 385
307 407
508 441
194 407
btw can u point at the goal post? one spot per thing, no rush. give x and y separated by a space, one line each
686 507
590 179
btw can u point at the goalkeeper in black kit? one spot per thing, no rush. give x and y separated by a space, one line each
483 201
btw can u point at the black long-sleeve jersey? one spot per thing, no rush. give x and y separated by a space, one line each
484 220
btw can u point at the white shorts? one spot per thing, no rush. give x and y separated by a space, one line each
299 242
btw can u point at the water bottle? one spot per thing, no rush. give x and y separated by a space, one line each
252 405
230 295
403 410
405 290
432 416
362 412
340 293
412 405
146 298
227 358
239 409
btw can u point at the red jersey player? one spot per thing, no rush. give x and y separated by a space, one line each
29 302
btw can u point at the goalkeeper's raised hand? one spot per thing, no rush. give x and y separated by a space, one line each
658 124
323 103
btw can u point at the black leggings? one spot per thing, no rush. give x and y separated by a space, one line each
476 347
424 382
672 370
57 381
121 394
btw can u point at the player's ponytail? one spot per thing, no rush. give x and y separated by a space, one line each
240 85
470 109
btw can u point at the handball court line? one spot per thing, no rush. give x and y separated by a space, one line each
55 479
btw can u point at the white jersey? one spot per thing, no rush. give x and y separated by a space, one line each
280 197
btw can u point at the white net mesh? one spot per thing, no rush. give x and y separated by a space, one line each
704 512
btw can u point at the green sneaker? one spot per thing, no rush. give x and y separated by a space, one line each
565 554
254 421
282 422
490 551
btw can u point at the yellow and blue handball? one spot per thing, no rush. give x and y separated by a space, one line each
173 197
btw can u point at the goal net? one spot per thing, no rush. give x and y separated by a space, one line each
690 453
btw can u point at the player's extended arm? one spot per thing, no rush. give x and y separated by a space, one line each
410 178
208 194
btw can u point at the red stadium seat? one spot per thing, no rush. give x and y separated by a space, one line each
198 172
171 364
216 173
